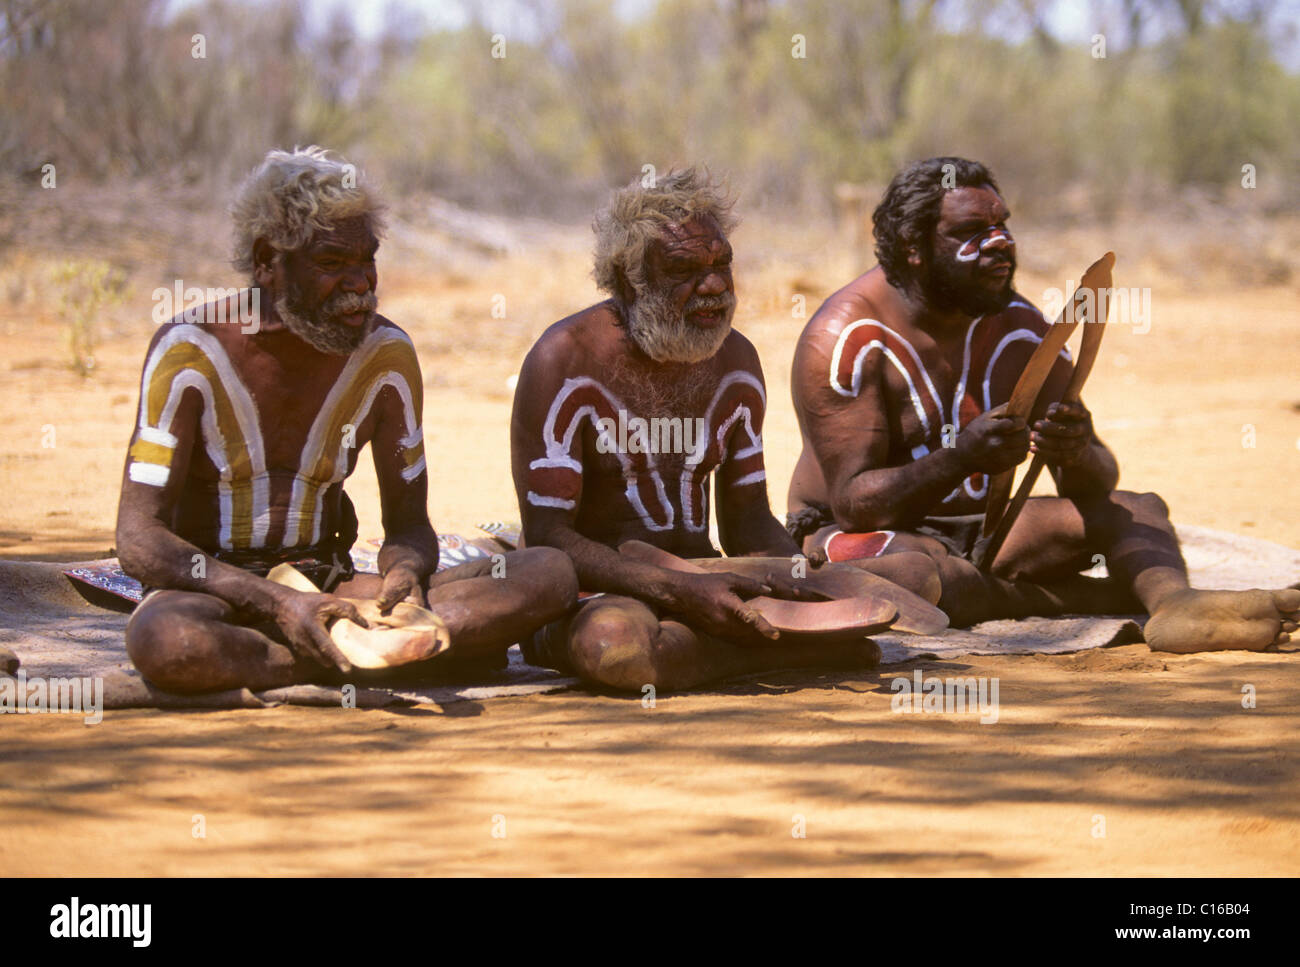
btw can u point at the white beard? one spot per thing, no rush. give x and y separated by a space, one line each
664 334
324 332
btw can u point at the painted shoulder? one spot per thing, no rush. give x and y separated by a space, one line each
387 333
824 337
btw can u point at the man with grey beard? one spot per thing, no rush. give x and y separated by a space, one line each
244 437
660 355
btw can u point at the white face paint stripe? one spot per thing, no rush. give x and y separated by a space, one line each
151 474
969 252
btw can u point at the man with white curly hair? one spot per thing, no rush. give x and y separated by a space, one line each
623 415
245 436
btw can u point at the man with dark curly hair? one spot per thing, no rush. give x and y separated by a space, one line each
900 382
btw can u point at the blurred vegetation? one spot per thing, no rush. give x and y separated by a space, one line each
586 94
86 288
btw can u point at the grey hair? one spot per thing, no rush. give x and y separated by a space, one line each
292 195
636 214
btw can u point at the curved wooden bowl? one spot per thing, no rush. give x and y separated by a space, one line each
862 616
915 615
406 634
862 603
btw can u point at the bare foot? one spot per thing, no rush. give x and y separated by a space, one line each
1193 620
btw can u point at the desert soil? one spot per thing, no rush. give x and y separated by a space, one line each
1155 752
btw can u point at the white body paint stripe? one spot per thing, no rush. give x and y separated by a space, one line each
152 474
860 358
694 518
559 448
537 500
151 434
245 414
414 470
1018 335
316 442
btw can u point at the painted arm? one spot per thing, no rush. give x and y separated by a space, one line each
410 551
746 525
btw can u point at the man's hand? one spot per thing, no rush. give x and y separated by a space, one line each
400 583
785 585
713 603
303 617
1063 435
993 442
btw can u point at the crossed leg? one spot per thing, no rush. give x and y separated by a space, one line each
186 641
619 642
1037 572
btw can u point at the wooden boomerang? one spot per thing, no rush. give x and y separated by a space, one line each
806 618
407 633
998 517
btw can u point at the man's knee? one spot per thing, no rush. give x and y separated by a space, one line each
169 642
554 572
921 573
1146 505
612 642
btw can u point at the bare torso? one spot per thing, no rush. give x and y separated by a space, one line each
277 434
610 436
873 391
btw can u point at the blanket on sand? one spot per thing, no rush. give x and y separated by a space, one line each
55 631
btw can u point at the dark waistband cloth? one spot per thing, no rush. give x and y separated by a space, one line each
962 534
326 568
326 565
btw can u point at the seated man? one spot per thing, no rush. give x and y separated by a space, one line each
245 436
622 414
900 381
